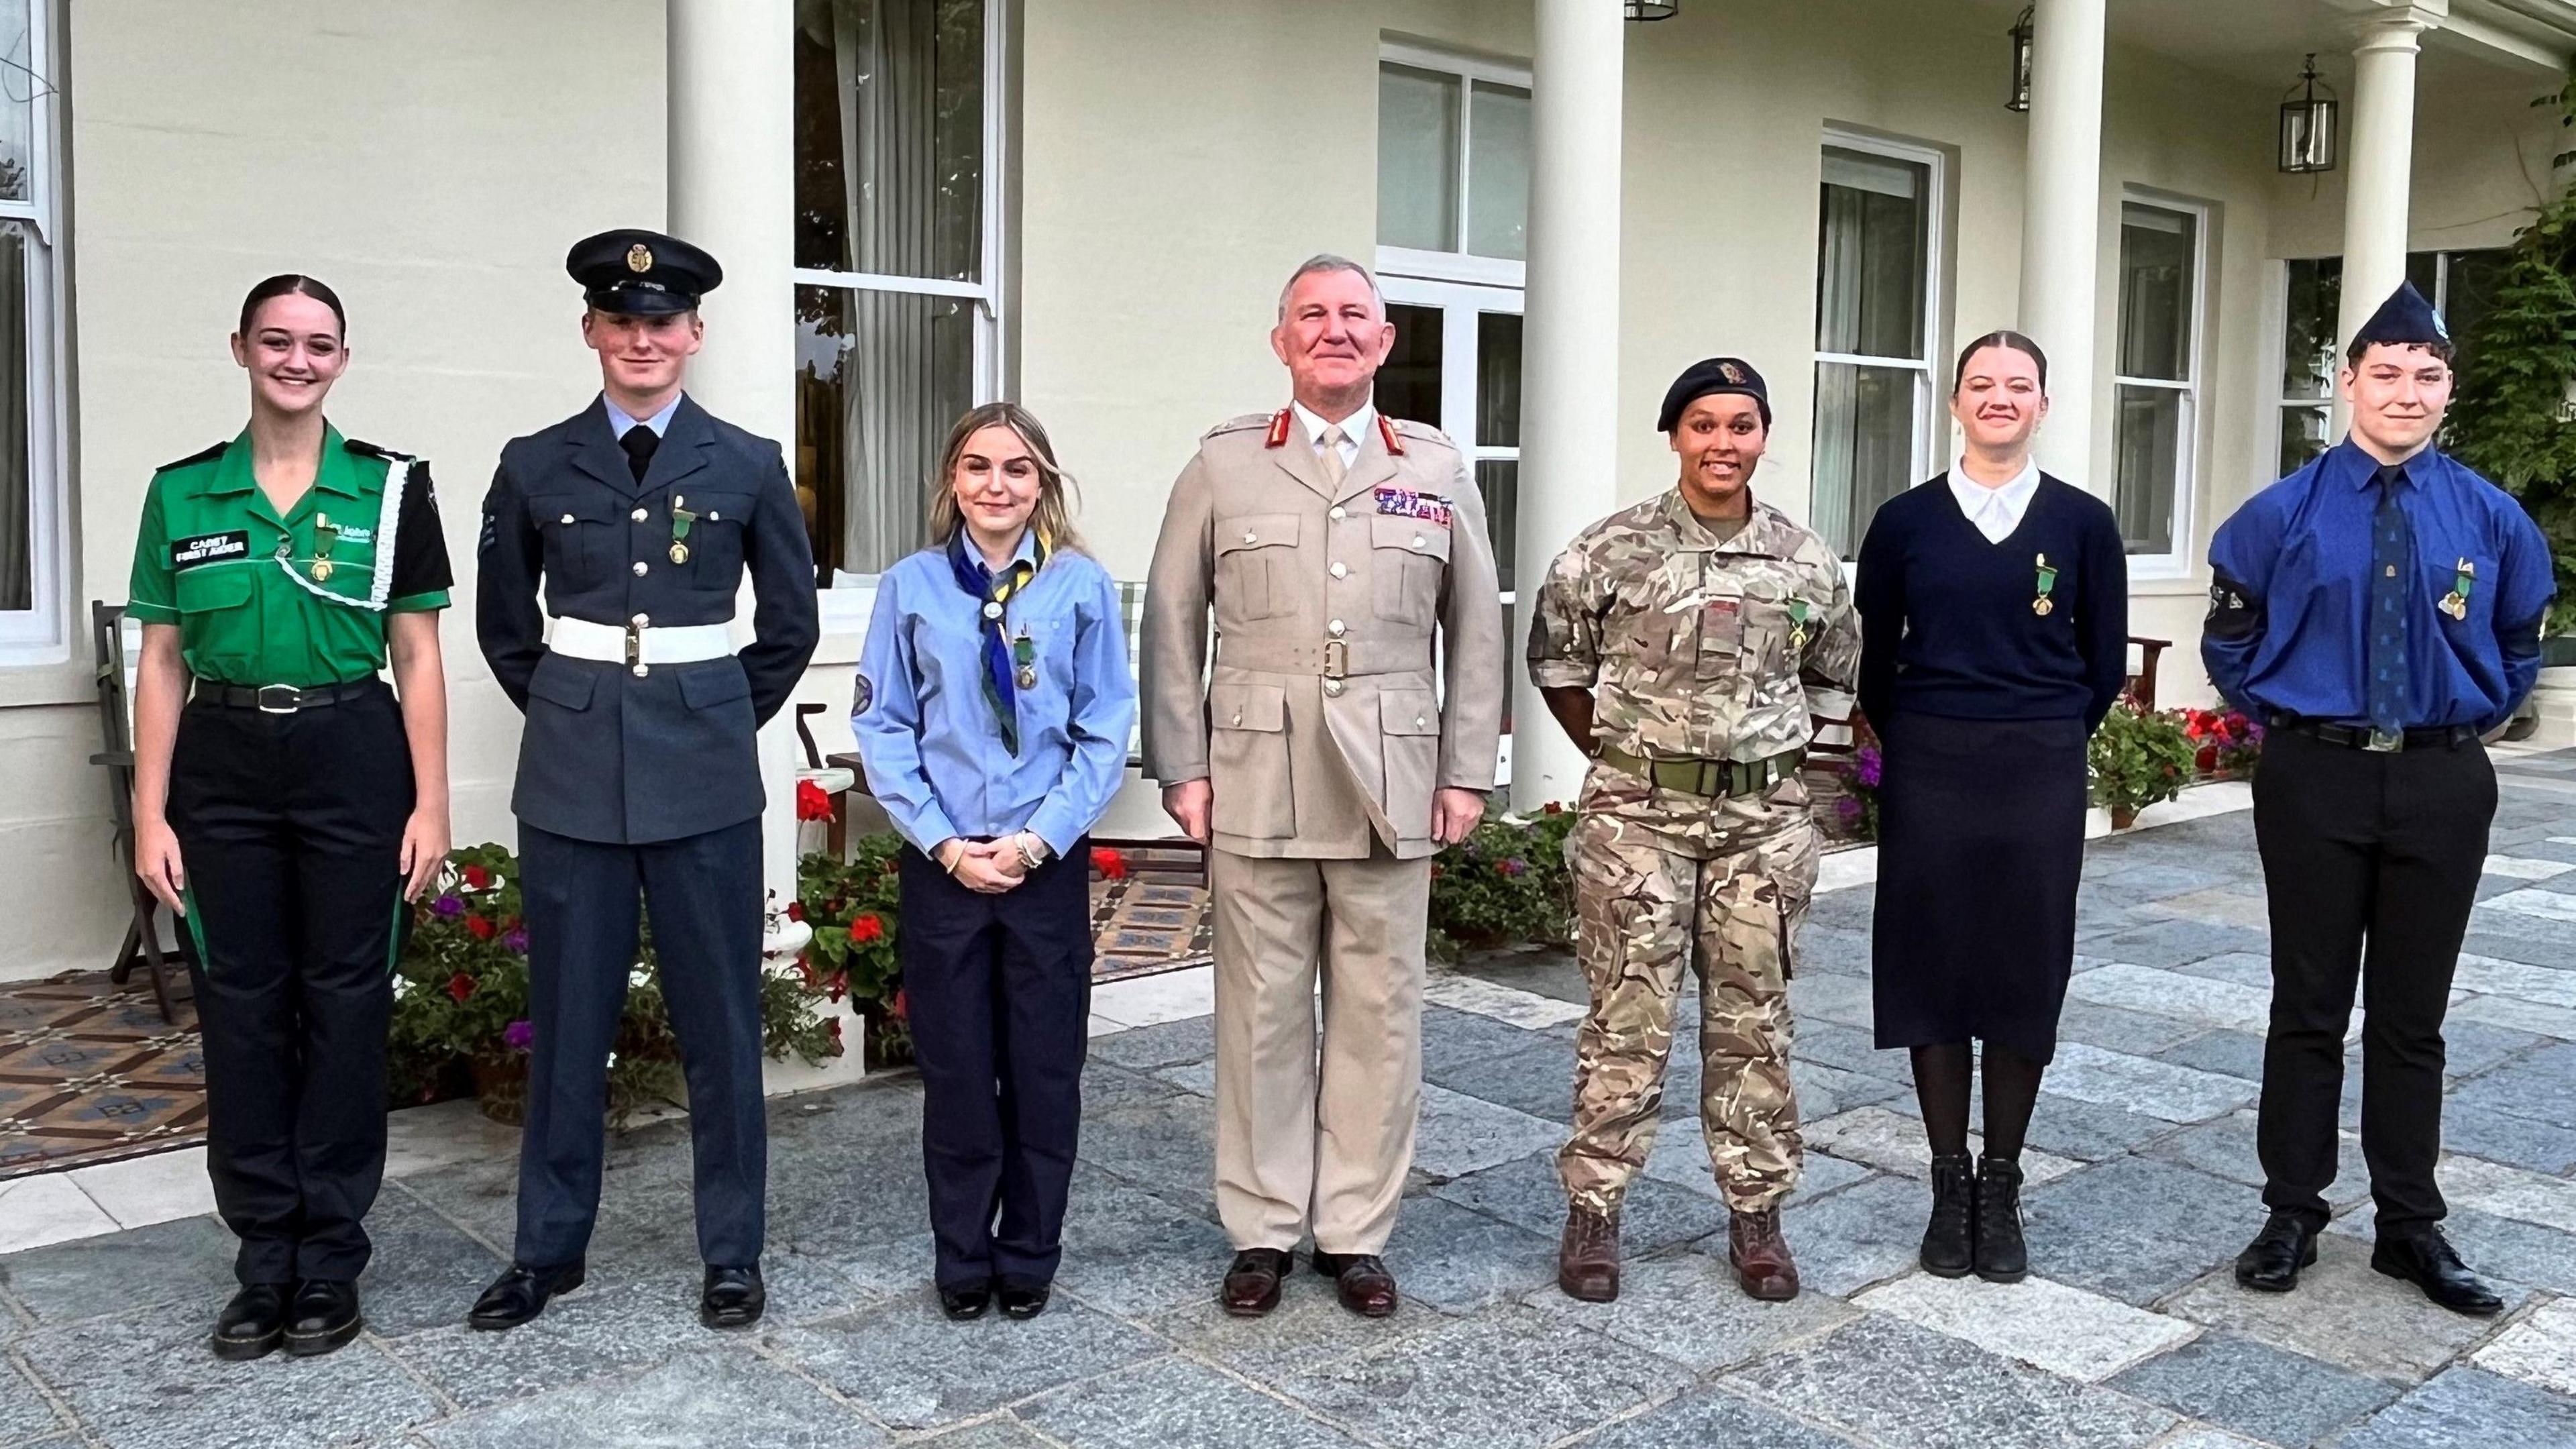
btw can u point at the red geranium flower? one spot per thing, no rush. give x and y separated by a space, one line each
1109 863
834 1025
477 877
480 927
460 986
1553 807
898 1008
866 926
795 910
811 802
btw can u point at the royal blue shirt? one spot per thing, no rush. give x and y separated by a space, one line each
2290 591
925 724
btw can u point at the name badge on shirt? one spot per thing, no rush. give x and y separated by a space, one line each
206 548
1405 503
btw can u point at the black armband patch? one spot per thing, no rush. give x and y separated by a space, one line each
491 530
2233 610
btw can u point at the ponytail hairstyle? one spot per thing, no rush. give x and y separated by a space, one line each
2004 338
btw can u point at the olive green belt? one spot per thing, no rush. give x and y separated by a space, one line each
1718 779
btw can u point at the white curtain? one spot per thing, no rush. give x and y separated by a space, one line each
17 521
887 55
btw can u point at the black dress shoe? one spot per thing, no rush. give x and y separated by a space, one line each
964 1305
2002 1256
1946 1251
252 1324
1023 1301
1360 1280
1252 1281
2271 1263
2426 1259
323 1317
732 1298
522 1293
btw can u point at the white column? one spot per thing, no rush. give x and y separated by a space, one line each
1570 379
2061 233
732 114
2379 173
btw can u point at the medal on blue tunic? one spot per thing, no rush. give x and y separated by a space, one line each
2456 602
2043 606
681 518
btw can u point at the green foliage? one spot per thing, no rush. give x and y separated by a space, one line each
2140 757
2512 418
1504 884
853 907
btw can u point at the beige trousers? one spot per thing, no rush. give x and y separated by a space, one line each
1300 1142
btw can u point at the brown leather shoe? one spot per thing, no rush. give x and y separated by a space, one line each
1361 1281
1587 1257
1252 1281
1761 1256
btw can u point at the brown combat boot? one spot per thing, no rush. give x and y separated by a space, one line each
1761 1256
1587 1257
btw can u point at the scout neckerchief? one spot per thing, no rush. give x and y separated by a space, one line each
1003 658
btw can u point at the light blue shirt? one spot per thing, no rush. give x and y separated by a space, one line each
660 423
925 726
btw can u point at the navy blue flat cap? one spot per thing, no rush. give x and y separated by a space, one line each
1709 378
2404 320
641 273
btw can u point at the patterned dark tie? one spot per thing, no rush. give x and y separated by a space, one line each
639 443
2392 546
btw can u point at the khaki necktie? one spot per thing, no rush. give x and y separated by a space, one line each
1334 470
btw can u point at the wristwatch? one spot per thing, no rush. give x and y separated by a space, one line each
1031 856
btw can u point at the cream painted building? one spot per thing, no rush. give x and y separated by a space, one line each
1089 205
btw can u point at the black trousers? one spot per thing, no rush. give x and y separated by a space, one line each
999 994
581 899
290 828
2371 864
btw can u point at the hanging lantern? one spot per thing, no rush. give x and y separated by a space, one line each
1653 9
2021 32
2308 120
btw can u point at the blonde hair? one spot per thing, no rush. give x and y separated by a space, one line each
1057 492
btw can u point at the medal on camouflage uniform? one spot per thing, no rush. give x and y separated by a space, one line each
2456 602
2043 606
681 518
1797 623
324 535
1024 653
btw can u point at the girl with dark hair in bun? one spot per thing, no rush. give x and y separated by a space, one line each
286 803
1994 606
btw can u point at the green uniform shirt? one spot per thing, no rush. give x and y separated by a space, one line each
300 600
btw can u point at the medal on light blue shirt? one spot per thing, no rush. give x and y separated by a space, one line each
2456 602
2043 606
1024 653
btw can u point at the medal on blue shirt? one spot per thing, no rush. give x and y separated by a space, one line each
2043 606
2456 602
1024 653
681 518
1797 623
325 534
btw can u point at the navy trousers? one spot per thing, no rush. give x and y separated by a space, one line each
291 826
999 993
580 899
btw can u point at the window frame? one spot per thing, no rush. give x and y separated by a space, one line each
845 609
1459 265
2176 562
1936 200
41 634
2278 321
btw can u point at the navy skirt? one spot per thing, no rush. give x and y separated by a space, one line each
1980 850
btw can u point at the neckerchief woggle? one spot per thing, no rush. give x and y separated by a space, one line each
993 592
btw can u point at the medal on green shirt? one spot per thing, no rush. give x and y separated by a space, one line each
1797 623
681 518
2043 606
2456 602
1024 653
325 534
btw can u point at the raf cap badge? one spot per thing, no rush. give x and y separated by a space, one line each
639 258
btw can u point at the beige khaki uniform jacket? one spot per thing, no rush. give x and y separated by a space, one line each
1322 724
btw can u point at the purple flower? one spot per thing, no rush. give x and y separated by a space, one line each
517 1035
1514 866
449 907
1849 808
517 940
1866 765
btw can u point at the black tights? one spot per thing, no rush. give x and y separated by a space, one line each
1941 1080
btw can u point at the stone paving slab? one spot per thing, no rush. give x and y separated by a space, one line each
2066 1331
2347 1314
2466 1407
710 1397
2262 1392
1513 1377
911 1368
1686 1307
1171 1402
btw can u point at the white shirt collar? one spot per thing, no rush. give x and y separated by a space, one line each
660 423
1995 511
1355 428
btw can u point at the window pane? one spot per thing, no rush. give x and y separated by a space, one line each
2424 269
1408 386
2303 436
1875 247
890 137
1499 480
17 519
880 377
2149 458
1864 446
18 69
2468 292
1498 172
2308 333
1417 159
1498 380
2155 292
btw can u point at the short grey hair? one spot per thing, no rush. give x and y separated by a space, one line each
1329 262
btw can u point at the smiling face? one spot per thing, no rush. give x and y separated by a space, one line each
1999 401
293 353
642 357
2398 396
997 481
1333 339
1720 439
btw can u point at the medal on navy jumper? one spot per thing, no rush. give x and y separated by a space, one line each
2043 606
681 518
2456 602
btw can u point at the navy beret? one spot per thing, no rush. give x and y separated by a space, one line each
1713 376
641 273
2404 320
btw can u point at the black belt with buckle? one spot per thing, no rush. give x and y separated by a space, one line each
2363 737
1716 779
281 698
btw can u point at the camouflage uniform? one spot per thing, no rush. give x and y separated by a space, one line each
1719 650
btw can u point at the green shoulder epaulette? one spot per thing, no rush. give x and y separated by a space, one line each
206 456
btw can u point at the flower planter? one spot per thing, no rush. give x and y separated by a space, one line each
2122 817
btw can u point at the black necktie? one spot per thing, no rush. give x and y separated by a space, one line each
639 443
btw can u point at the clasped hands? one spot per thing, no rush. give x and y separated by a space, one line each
990 867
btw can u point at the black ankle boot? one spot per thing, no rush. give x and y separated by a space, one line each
2001 1255
1946 1252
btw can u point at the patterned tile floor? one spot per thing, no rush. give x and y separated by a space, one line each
2129 1334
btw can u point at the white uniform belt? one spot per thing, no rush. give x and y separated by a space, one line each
639 644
